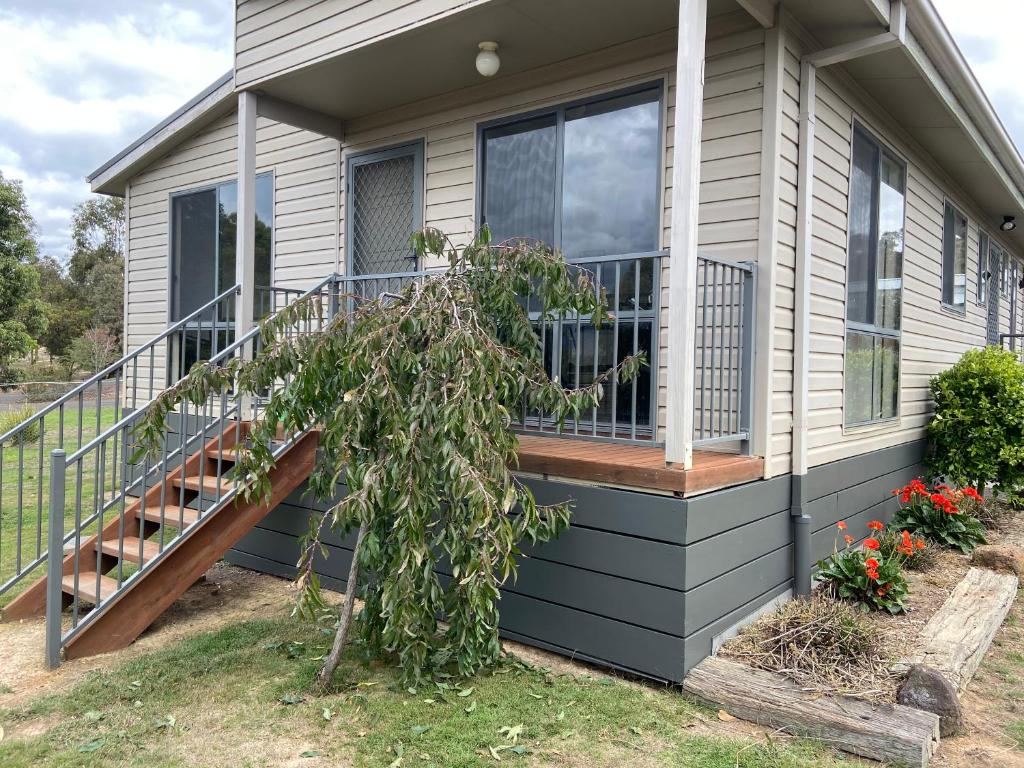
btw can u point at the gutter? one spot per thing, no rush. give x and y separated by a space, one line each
895 37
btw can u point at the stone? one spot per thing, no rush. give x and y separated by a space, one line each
1000 558
926 689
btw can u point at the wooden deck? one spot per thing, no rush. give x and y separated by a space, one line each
634 466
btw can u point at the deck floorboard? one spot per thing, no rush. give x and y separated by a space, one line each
634 466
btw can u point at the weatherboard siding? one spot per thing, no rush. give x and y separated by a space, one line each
305 168
933 338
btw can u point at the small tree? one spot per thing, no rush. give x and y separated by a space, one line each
92 351
977 434
413 393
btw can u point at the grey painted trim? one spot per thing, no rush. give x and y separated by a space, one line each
281 111
180 115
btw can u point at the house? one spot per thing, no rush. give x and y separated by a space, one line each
801 211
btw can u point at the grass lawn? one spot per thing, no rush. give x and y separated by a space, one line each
31 466
241 697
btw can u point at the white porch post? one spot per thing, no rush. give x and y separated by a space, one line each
683 245
245 243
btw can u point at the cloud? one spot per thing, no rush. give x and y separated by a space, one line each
988 34
83 80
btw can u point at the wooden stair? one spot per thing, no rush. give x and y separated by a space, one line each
129 609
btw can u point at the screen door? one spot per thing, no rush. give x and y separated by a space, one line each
385 207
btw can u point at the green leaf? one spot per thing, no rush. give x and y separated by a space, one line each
291 698
309 753
418 730
92 746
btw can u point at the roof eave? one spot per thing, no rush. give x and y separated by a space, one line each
111 177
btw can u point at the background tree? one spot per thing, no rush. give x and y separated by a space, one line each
93 350
67 317
413 394
22 313
96 264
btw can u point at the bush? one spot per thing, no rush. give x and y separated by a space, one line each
917 555
942 515
11 419
977 435
864 576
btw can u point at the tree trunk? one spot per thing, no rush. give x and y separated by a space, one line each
323 677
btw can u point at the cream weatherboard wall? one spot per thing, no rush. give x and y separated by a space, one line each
933 338
275 36
731 142
306 178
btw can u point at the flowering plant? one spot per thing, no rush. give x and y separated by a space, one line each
864 575
941 514
916 553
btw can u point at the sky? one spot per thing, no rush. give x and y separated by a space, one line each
81 80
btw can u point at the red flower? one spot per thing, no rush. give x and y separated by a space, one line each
871 564
841 525
920 544
970 493
870 543
873 574
882 590
848 539
876 525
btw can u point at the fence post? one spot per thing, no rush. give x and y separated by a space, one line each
747 358
55 559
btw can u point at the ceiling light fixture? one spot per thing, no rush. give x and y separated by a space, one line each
1009 223
487 61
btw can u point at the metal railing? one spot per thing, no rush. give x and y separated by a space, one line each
724 352
576 353
1014 343
71 421
122 523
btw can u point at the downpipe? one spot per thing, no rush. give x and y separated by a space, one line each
894 37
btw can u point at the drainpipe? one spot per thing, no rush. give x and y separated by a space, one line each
895 37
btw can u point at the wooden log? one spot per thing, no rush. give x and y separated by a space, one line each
888 732
955 639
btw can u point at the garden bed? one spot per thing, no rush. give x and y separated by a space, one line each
821 667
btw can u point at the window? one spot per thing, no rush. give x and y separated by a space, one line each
203 228
983 269
583 179
954 259
874 282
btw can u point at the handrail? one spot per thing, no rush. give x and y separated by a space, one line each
120 363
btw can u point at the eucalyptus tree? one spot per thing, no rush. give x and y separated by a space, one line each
414 394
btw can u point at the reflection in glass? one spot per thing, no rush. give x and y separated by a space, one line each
610 177
889 269
871 379
861 228
954 258
519 180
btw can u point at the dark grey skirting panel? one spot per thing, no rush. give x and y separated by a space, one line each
640 582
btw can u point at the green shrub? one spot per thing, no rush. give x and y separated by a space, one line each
11 419
863 576
977 435
941 515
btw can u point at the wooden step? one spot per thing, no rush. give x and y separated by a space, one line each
87 586
171 515
208 483
226 454
150 549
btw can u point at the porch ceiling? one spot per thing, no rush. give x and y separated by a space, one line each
438 58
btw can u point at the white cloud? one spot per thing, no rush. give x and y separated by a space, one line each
80 81
988 33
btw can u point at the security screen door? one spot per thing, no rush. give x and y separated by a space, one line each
385 207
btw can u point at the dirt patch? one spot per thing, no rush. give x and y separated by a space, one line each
227 595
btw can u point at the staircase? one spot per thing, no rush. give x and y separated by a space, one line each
135 536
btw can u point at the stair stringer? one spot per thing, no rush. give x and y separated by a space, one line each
121 620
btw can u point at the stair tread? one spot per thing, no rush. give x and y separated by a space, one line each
150 549
171 515
226 454
87 586
206 483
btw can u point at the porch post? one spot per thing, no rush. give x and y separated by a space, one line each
682 288
245 242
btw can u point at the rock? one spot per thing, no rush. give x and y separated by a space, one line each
928 690
1000 558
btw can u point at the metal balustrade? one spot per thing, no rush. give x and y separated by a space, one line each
724 352
69 423
99 501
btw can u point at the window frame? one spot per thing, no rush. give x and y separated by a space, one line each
960 310
172 299
558 109
981 296
869 329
